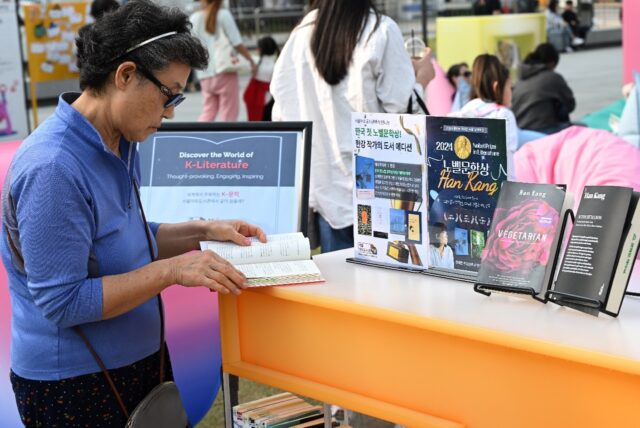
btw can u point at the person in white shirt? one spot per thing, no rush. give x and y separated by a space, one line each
343 57
220 89
491 98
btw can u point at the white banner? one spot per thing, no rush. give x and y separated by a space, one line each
13 108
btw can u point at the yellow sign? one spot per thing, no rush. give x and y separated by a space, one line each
511 37
50 37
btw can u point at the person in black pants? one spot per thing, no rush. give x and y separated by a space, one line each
571 18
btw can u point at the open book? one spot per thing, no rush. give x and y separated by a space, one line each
285 259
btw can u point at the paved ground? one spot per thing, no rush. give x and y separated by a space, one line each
595 75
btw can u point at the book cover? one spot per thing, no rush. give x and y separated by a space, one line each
389 213
466 164
626 260
521 244
591 255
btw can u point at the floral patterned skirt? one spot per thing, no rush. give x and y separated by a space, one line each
87 400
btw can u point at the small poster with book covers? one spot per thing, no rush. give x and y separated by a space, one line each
389 189
466 165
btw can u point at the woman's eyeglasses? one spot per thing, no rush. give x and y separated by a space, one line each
173 100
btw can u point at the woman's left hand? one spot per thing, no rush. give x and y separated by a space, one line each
237 231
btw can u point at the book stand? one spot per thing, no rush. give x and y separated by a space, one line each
568 299
440 273
484 288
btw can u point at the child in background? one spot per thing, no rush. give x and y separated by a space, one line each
491 98
258 88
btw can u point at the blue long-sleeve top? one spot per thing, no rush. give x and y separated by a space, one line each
70 217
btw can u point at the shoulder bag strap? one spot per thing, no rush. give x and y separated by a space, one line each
153 258
92 350
420 102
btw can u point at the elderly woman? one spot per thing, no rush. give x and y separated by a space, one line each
76 247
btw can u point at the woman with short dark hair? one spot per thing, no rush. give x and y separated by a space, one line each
78 252
343 57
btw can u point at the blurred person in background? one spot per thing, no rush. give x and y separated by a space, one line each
459 76
542 99
487 7
491 98
343 57
558 31
257 91
571 18
220 91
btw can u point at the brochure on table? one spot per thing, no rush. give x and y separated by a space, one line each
425 190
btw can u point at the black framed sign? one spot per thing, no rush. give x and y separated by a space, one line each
255 171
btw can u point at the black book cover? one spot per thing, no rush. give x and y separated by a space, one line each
521 244
591 255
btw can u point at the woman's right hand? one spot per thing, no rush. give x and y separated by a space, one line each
206 268
424 68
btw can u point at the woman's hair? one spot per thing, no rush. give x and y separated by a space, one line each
102 46
487 69
338 28
454 71
211 15
268 46
545 53
100 7
553 6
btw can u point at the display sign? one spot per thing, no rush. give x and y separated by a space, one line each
13 109
50 36
389 194
252 171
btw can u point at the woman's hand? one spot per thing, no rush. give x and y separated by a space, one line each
206 268
236 231
424 68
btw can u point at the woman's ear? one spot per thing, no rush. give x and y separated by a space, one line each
125 74
494 86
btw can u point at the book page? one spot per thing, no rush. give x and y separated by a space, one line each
262 270
281 273
275 250
254 240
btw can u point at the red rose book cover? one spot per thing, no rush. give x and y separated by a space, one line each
523 238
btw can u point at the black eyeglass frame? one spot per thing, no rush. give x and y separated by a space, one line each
173 100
